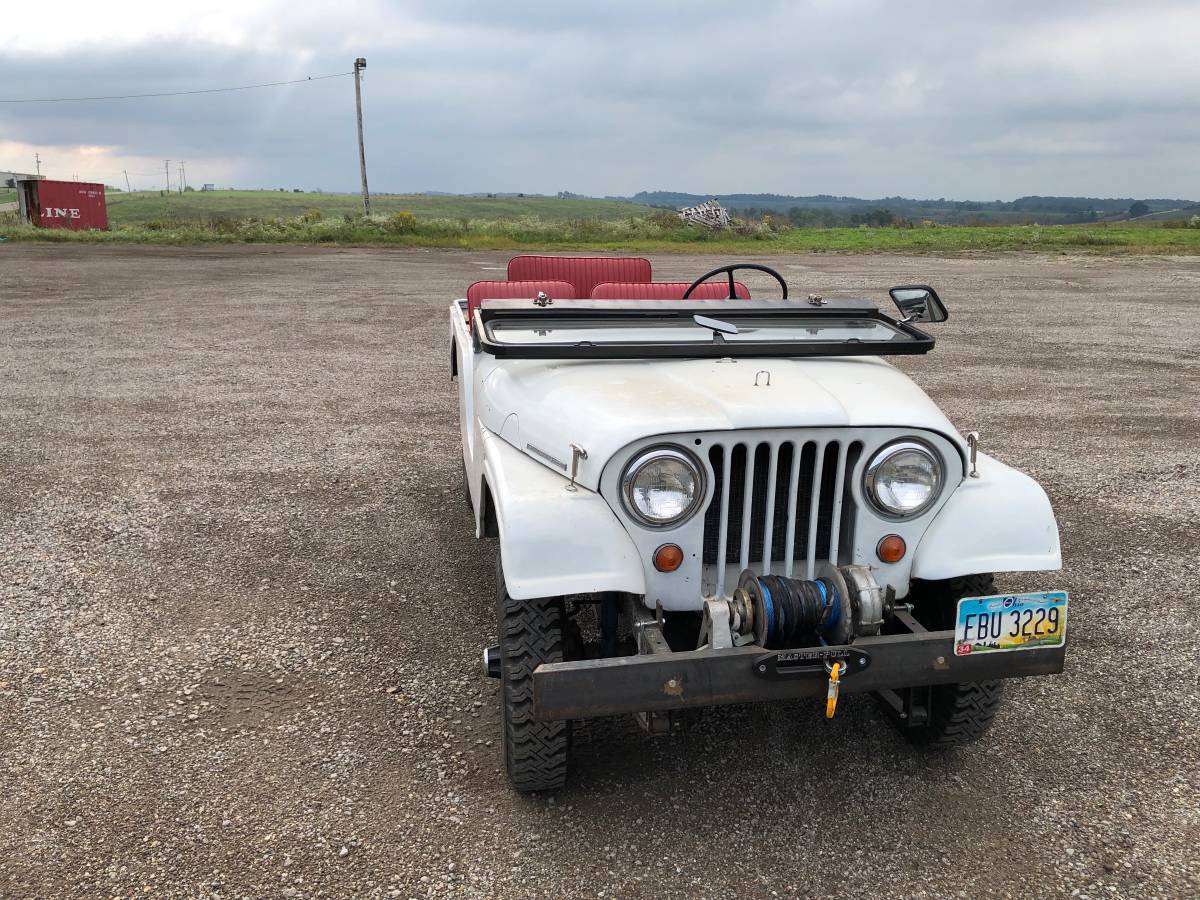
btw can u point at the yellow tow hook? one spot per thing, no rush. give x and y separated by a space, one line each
831 696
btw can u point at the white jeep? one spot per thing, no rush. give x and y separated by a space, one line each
703 498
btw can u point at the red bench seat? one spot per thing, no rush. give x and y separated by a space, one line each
581 272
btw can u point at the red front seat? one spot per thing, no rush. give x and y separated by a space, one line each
514 290
666 290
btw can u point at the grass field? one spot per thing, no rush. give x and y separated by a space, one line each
644 237
141 207
8 196
514 223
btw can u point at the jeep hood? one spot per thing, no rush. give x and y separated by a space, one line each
542 407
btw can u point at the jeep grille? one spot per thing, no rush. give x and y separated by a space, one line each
782 505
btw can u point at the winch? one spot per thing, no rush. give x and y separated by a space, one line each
834 607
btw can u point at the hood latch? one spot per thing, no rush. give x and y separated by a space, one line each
577 453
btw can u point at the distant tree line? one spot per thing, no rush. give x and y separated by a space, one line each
827 210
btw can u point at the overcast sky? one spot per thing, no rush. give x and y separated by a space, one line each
979 100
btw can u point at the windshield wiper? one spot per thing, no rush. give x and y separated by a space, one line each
718 327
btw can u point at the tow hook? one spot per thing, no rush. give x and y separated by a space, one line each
831 696
491 661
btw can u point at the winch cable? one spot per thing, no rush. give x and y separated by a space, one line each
772 627
796 608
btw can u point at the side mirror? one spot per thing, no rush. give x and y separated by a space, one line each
919 303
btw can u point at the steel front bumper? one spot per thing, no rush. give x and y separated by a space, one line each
665 681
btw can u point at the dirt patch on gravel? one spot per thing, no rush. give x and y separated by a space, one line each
241 609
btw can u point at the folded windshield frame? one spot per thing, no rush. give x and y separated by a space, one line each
525 329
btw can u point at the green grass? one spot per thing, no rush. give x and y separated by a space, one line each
141 207
565 225
8 196
642 236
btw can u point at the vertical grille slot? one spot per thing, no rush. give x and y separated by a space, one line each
737 495
779 550
830 496
779 507
757 478
845 547
798 521
716 517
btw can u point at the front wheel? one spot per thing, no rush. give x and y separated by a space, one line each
466 487
956 713
531 633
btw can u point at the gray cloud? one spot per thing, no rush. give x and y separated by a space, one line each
969 99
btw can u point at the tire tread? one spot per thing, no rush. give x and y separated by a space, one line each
958 713
536 753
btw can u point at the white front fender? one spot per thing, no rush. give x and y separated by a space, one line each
554 541
999 522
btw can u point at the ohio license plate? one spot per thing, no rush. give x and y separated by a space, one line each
1010 622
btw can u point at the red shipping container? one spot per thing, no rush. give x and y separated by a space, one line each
77 205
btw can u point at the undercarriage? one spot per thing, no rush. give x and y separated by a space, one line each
775 639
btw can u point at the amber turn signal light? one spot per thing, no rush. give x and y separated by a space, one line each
891 548
668 558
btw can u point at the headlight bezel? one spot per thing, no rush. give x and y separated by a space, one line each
643 458
886 452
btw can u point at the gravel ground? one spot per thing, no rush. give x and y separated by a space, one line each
241 609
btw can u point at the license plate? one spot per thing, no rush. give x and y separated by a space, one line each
1010 622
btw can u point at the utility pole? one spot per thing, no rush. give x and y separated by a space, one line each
128 189
167 172
37 159
179 181
359 65
183 176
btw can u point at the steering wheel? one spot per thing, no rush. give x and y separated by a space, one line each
731 269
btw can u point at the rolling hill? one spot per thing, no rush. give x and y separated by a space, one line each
844 210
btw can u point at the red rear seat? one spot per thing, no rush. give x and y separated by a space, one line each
583 272
514 290
666 290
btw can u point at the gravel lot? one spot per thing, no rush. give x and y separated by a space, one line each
241 609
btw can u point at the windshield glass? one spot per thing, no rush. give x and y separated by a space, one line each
620 330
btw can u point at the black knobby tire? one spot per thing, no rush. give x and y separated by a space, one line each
958 713
536 754
466 487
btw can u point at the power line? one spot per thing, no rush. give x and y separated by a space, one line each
244 87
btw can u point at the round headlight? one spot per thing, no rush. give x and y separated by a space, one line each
903 479
662 487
